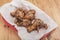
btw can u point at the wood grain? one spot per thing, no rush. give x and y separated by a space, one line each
51 7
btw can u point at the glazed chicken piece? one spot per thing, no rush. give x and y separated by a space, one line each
41 25
19 14
13 14
26 22
22 22
18 21
15 20
45 26
34 25
30 15
37 25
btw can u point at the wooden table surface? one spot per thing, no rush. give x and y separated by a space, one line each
51 7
